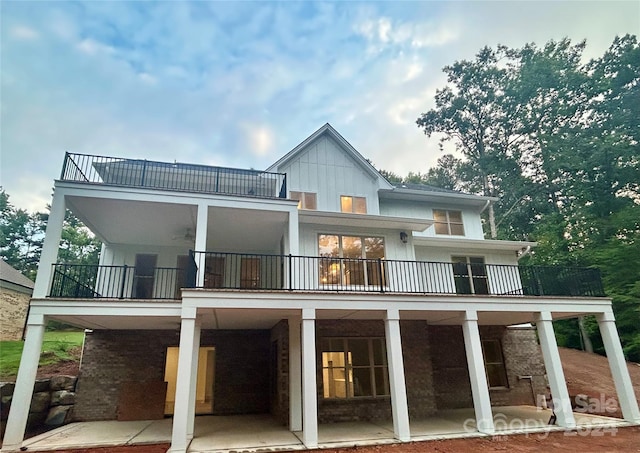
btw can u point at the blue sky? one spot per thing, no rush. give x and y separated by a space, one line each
241 83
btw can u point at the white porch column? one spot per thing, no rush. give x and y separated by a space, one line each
399 407
25 381
619 371
477 375
295 376
309 389
180 430
293 239
555 374
201 241
50 246
194 380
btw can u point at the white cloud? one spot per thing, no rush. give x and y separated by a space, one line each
24 33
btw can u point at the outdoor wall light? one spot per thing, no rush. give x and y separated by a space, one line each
403 237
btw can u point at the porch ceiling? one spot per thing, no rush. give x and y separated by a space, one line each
135 222
174 225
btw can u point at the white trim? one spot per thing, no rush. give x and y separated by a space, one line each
472 244
347 219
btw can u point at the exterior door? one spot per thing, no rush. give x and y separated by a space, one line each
144 276
214 272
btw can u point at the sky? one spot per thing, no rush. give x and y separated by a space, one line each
239 84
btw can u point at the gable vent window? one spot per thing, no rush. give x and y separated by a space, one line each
306 200
448 222
356 205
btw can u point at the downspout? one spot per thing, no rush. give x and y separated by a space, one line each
524 253
485 206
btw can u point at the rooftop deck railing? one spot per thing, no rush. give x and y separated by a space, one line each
172 176
251 272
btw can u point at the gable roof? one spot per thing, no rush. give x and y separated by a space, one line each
10 275
344 144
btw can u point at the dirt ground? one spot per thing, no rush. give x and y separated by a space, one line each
585 373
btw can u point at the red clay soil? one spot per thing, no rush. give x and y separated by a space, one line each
585 373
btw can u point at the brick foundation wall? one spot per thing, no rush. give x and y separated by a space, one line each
523 357
280 404
113 357
13 306
450 373
418 371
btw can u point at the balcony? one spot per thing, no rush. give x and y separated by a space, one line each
252 272
172 176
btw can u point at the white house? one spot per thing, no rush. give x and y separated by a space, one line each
315 291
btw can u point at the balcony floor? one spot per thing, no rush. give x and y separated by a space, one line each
262 432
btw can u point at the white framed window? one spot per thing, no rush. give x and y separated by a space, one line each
357 205
351 260
448 222
354 368
494 363
470 275
306 200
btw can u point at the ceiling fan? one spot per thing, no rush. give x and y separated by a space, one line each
188 236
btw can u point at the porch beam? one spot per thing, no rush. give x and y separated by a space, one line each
23 392
477 374
180 429
618 365
295 375
399 407
309 391
555 374
50 246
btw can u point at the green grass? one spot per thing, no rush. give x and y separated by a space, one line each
56 347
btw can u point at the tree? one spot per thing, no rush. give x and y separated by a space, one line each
559 142
22 235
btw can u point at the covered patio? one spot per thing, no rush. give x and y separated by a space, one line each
262 432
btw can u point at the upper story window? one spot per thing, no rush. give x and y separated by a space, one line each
470 275
357 205
350 260
448 222
306 200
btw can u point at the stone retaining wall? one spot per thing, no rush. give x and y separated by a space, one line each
51 404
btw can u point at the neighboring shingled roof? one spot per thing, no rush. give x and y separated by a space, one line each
426 188
11 275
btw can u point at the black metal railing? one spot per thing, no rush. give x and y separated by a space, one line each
239 271
116 282
173 176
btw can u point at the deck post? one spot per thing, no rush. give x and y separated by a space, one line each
194 380
18 414
555 374
180 429
399 407
309 391
618 365
477 374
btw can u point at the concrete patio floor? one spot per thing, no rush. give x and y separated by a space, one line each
262 432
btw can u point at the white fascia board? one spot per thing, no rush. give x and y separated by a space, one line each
104 307
203 298
363 220
160 196
460 199
472 244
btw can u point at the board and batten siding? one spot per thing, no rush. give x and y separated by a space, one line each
324 168
416 210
